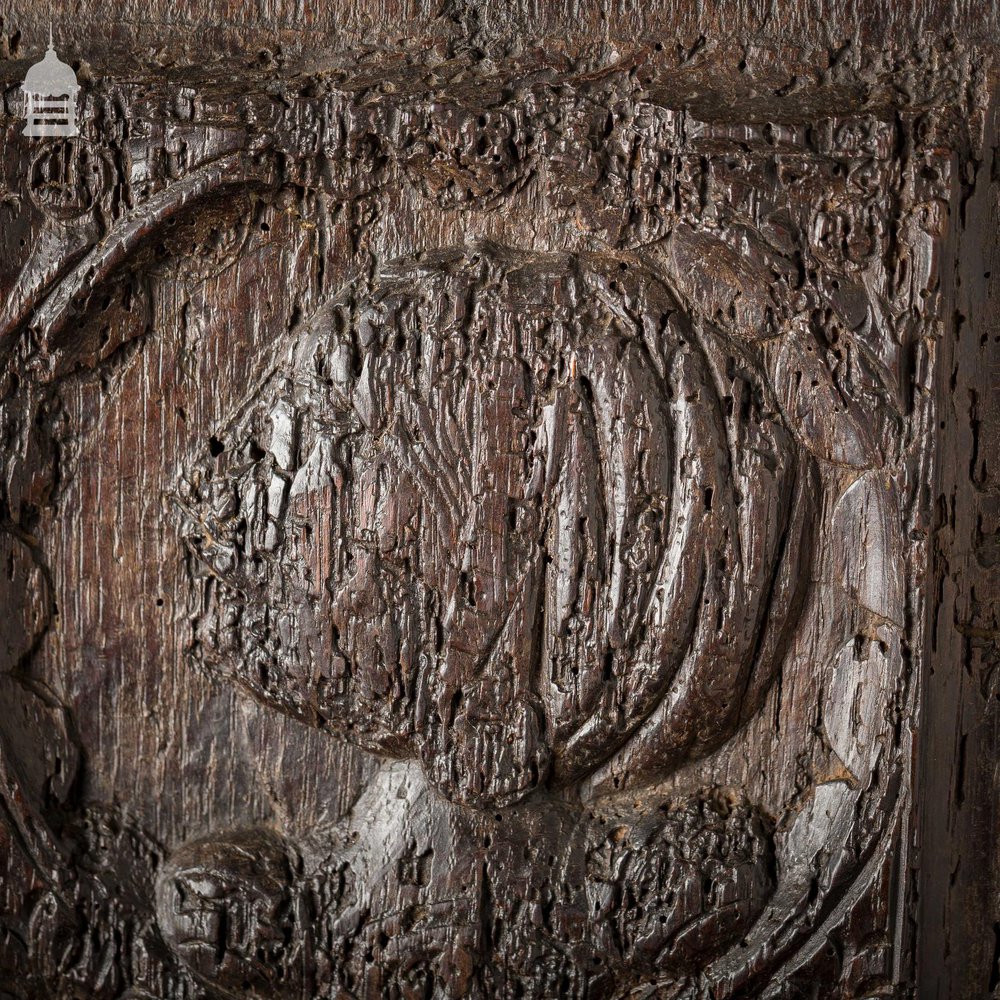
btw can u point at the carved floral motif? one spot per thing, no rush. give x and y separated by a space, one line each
536 529
488 517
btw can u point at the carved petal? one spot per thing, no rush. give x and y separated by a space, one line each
830 426
856 700
869 563
730 289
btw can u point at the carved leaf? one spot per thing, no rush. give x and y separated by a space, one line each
869 561
828 424
730 289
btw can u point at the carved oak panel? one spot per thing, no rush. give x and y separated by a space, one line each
468 520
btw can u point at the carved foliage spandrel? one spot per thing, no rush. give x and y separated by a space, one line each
410 495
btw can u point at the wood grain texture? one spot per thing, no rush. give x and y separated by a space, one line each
492 510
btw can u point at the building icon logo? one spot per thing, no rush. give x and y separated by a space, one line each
50 90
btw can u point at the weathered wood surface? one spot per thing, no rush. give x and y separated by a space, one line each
497 511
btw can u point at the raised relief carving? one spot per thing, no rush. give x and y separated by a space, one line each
488 518
599 543
540 902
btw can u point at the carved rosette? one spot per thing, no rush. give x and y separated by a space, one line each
507 512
